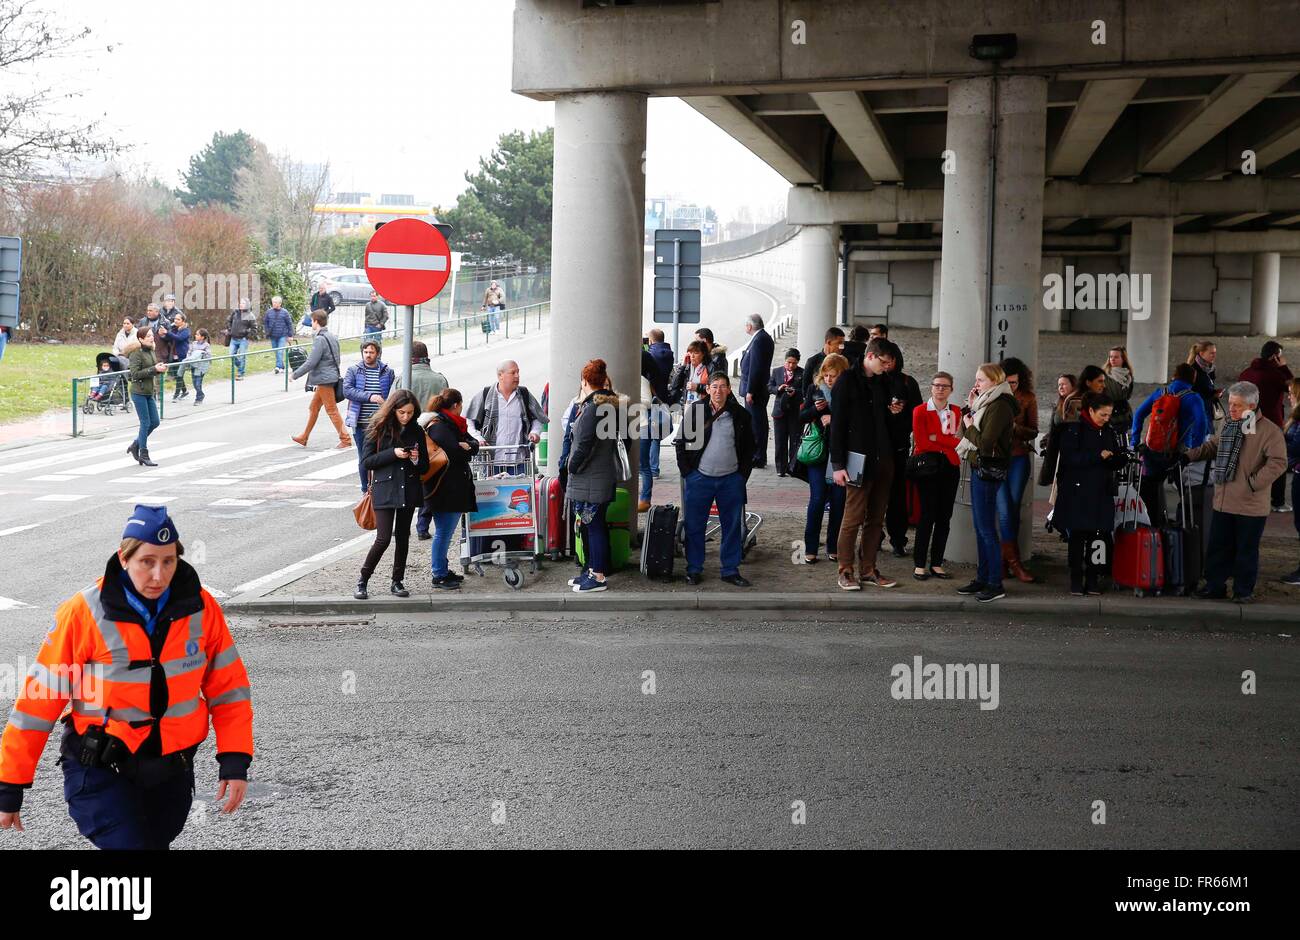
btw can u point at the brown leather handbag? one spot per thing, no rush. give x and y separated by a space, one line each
364 510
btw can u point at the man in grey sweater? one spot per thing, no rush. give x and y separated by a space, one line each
322 371
376 317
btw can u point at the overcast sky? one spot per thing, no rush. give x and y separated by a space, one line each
399 97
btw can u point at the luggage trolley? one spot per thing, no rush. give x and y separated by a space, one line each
506 529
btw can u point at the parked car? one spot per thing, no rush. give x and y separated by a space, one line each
348 286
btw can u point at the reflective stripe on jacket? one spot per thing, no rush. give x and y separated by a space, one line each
102 670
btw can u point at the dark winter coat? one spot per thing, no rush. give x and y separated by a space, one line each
277 323
700 415
593 471
787 404
141 363
396 484
1085 483
756 366
1272 381
455 491
180 343
859 406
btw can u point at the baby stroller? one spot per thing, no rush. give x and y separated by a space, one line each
109 396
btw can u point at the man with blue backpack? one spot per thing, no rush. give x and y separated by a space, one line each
1177 422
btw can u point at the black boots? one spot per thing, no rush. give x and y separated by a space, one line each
361 593
397 589
143 457
134 451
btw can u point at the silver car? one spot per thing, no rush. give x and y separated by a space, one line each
348 286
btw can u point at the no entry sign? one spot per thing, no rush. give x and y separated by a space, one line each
408 261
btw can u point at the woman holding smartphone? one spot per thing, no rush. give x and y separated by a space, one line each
395 453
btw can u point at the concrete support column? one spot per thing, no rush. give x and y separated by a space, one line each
818 291
936 290
1050 320
1264 286
975 325
1151 252
596 244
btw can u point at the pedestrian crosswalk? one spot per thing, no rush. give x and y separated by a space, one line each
264 475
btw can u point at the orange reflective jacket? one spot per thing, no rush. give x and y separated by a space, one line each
102 668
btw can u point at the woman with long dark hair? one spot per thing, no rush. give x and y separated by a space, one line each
593 475
1011 494
395 453
451 493
1201 357
1091 453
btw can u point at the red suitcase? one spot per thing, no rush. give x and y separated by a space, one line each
549 497
1139 559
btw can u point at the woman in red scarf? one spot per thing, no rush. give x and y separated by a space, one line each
451 492
1090 454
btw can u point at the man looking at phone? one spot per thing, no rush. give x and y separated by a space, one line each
860 441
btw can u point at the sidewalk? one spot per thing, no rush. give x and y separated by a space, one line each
782 584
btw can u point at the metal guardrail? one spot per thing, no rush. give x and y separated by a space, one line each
444 332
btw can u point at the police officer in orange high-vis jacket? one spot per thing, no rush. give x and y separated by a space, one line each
143 658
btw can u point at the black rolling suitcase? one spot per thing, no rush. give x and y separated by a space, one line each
1183 558
659 543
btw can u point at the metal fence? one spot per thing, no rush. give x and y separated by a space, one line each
441 335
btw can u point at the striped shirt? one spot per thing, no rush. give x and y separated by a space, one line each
372 387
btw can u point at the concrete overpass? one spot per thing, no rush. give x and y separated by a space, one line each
1158 138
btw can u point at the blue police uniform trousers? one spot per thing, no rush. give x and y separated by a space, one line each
115 813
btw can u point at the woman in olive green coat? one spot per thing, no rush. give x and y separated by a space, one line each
143 369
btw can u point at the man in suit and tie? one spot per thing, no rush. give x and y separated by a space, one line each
755 370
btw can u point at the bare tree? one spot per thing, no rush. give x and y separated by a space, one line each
277 196
32 136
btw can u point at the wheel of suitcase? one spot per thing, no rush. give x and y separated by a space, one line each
513 577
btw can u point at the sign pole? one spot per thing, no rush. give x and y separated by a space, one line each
408 335
677 294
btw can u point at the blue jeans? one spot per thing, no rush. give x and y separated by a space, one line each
494 318
701 493
146 409
984 510
595 536
818 493
115 813
1010 493
444 527
643 467
239 349
278 345
4 340
1234 552
359 438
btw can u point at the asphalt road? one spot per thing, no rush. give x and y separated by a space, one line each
547 724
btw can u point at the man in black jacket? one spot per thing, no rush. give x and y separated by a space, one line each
755 368
861 402
715 454
904 388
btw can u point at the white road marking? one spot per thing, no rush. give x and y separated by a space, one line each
8 603
68 453
18 528
63 498
251 473
215 592
319 504
336 550
334 472
163 454
52 478
237 502
211 460
215 481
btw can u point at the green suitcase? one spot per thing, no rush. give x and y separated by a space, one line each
618 515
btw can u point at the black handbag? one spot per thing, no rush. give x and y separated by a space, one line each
993 469
924 465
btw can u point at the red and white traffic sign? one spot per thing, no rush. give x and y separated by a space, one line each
408 261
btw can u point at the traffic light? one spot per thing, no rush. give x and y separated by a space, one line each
11 266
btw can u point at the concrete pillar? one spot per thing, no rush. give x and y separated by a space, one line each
1264 285
818 291
1151 252
975 327
936 289
1050 320
596 245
